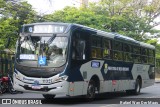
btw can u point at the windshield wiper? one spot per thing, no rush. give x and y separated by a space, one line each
30 39
51 39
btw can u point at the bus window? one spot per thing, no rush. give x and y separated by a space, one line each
136 49
106 43
117 46
117 55
127 52
137 58
96 47
106 48
151 52
117 51
144 59
144 56
144 51
79 45
151 59
96 52
96 41
136 54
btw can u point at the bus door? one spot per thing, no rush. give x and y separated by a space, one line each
79 57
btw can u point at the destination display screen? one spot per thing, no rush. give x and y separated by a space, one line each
44 29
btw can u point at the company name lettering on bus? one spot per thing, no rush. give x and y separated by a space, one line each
95 64
118 68
28 79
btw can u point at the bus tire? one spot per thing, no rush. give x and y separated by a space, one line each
137 89
48 96
91 90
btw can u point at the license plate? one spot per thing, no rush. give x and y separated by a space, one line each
36 87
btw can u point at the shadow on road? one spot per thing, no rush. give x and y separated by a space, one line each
107 98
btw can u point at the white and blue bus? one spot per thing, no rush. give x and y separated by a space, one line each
71 59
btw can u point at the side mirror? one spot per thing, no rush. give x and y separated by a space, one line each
13 58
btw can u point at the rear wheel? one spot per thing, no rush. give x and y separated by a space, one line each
48 96
137 89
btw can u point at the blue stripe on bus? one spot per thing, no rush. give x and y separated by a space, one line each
75 75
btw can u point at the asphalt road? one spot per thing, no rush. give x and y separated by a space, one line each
105 100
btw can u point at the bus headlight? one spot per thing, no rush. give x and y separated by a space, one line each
62 78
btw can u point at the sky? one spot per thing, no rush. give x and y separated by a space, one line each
45 7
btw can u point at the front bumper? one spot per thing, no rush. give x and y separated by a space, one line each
60 87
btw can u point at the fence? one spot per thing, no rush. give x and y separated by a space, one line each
6 62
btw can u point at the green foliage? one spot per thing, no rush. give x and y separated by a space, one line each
13 14
127 17
155 43
131 18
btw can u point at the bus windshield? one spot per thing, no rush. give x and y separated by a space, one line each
41 51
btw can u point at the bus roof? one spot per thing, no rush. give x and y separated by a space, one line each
110 35
45 23
117 36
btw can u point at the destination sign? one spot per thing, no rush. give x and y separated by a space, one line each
27 56
45 29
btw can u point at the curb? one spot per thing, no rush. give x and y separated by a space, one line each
157 80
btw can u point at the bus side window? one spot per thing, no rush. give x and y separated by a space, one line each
79 46
117 50
96 51
127 52
136 54
106 48
144 57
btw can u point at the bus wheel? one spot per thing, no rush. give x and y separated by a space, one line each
137 89
48 96
91 90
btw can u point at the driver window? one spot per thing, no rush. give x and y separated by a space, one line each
79 45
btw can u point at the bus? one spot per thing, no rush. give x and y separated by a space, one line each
71 59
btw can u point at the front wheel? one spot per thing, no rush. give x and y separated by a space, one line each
91 90
48 96
12 90
3 88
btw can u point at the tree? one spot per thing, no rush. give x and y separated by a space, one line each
82 16
133 18
130 17
13 15
157 46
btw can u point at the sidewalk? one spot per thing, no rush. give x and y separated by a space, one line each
157 80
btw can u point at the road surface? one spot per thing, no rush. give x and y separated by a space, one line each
151 93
